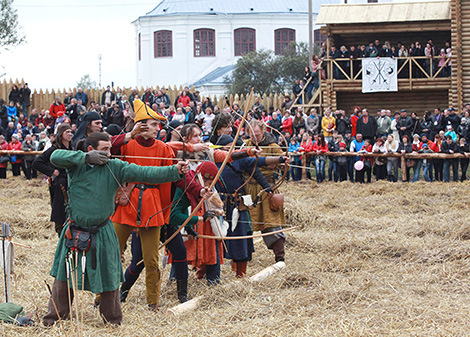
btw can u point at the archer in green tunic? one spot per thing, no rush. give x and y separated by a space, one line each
91 193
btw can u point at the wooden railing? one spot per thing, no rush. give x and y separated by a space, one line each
402 156
410 68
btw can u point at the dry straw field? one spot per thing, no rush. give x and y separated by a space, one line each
381 259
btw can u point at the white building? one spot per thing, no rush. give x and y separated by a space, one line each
199 41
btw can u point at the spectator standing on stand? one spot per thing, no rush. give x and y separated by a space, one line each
367 126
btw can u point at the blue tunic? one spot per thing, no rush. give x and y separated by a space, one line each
232 178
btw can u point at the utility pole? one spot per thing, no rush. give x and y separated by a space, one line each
99 58
310 31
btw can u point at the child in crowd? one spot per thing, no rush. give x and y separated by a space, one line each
342 163
294 171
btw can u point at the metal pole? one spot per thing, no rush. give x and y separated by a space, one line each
99 58
310 31
4 227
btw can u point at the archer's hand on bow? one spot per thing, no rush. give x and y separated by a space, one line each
183 167
96 157
206 193
192 234
209 215
256 152
284 160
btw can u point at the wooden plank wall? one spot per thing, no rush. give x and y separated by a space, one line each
413 101
460 54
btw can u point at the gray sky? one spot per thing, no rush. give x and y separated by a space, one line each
65 37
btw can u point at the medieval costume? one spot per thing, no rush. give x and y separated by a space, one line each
81 132
264 218
148 205
203 253
231 187
91 194
58 185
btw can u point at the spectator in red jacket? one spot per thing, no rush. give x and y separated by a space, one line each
306 145
287 123
56 107
368 162
320 147
15 145
3 166
184 98
354 118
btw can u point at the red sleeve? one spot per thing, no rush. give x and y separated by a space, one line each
219 156
178 146
116 143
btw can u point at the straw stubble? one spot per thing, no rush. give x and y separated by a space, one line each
372 259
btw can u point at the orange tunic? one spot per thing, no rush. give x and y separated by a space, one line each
154 199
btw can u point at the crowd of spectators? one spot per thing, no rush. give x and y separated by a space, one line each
429 57
435 132
306 132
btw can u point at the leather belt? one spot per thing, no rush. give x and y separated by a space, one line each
142 188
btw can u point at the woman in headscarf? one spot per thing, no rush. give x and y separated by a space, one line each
57 176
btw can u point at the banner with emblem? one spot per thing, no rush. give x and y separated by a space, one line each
379 74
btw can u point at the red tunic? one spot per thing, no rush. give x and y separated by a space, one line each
203 251
154 199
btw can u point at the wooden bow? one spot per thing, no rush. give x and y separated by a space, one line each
214 181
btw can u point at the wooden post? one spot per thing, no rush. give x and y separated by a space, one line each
403 168
304 169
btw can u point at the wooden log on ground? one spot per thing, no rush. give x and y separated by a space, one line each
193 304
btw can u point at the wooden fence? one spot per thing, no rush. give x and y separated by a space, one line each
42 99
403 157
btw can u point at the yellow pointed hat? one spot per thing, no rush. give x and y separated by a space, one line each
142 112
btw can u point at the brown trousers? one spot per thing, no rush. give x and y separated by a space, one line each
110 307
150 240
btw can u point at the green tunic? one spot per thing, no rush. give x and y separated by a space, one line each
179 211
91 201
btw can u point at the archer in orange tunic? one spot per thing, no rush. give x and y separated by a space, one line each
148 206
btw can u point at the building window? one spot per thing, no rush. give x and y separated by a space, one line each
318 37
163 46
245 41
282 39
204 42
140 53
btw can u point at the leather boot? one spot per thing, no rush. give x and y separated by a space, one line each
182 289
130 280
278 249
110 308
200 272
61 301
241 269
234 266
